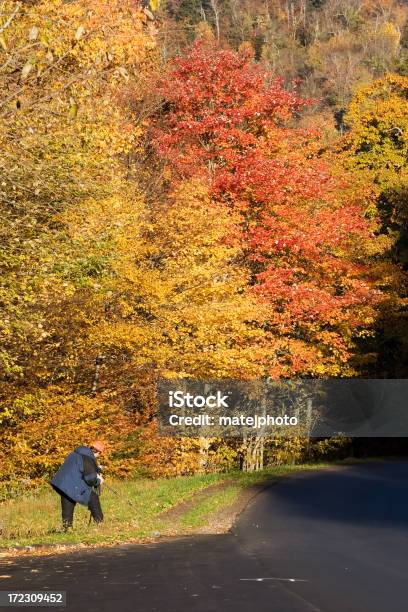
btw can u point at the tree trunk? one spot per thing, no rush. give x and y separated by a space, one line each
203 450
253 453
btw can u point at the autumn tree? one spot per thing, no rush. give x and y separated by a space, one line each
229 123
377 148
64 68
166 289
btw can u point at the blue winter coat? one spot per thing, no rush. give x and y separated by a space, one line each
74 479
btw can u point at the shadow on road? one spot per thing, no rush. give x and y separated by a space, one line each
365 494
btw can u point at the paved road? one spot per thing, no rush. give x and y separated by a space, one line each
328 541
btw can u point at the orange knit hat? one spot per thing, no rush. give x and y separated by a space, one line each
98 445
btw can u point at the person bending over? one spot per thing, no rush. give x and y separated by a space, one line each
75 482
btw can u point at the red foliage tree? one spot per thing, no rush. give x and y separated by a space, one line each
303 231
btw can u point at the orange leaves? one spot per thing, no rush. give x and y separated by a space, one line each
301 222
221 103
43 427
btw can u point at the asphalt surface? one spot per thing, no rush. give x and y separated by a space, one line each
332 541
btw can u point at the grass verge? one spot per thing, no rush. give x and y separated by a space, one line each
35 518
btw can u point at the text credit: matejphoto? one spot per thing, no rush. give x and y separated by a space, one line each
254 421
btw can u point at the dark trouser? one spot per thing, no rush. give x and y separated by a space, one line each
68 505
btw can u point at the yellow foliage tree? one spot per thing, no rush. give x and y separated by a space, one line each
377 149
173 292
65 70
